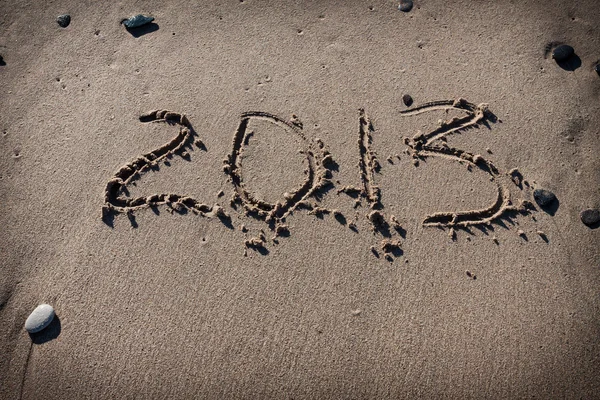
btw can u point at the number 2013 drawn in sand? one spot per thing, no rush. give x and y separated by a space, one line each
318 174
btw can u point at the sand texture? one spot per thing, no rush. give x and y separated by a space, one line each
235 202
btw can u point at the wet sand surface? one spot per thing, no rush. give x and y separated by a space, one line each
281 224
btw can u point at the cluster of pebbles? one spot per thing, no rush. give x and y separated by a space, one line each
545 198
561 53
43 315
136 21
591 216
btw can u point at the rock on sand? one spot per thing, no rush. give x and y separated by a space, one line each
63 20
590 216
543 197
137 21
405 5
562 52
40 318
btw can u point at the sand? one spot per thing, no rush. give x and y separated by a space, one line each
395 257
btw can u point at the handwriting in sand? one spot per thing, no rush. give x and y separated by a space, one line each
318 174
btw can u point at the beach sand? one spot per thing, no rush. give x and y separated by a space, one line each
175 301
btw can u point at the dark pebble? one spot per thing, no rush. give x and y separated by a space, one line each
63 20
407 100
405 5
136 21
591 216
597 68
543 197
562 52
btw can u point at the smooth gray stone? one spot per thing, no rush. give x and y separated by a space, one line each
63 20
137 21
591 216
543 197
40 318
562 52
405 5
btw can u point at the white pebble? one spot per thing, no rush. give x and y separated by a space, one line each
40 318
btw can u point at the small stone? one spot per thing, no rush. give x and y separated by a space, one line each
543 197
562 52
591 216
596 68
40 318
407 100
405 5
137 21
63 20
